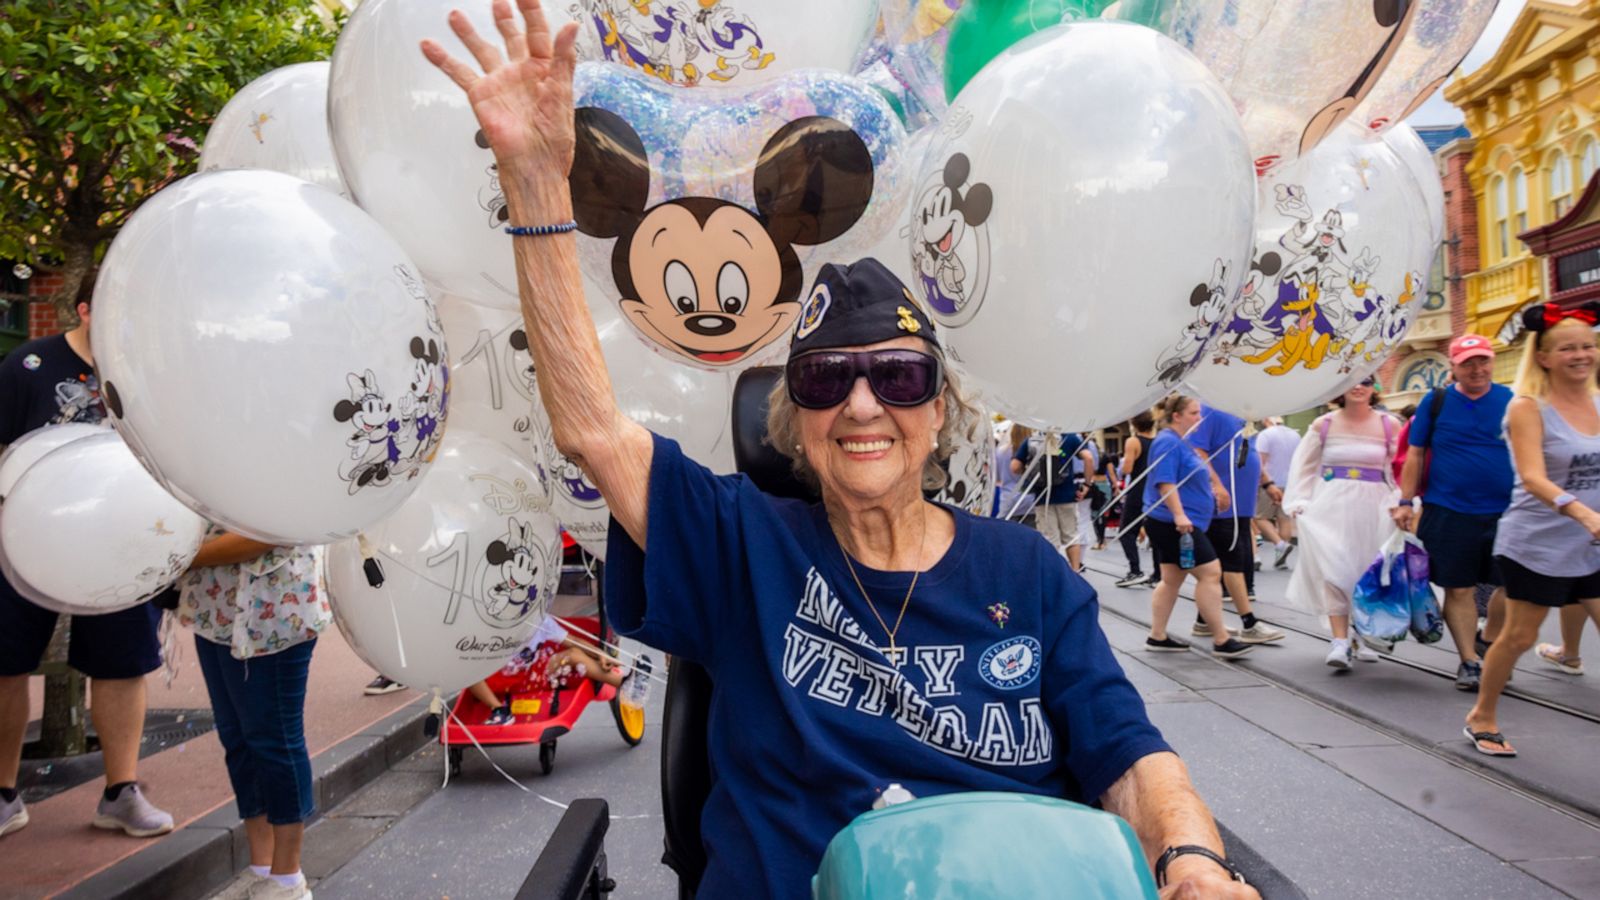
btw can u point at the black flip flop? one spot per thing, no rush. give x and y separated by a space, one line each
1478 738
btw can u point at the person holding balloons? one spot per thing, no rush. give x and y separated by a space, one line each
1340 492
831 629
256 611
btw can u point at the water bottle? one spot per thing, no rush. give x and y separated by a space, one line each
1186 550
635 688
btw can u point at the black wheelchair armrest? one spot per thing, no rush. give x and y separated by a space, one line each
572 865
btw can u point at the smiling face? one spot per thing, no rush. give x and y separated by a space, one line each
1358 397
940 224
1474 374
865 450
1568 352
711 293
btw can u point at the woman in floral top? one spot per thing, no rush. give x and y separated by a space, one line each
256 611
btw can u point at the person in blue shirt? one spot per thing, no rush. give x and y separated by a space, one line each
1236 468
1460 450
1058 481
1180 499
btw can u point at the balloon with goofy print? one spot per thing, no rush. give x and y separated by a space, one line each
441 593
1342 242
271 355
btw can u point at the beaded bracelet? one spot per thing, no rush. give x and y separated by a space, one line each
541 230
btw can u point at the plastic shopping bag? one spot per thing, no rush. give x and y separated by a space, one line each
1427 626
1380 608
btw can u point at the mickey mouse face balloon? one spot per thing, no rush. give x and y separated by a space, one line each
703 211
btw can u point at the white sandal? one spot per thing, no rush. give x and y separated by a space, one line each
1551 653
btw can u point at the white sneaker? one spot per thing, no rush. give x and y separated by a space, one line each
1339 655
268 889
1260 633
1367 654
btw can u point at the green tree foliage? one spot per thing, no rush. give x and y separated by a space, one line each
106 101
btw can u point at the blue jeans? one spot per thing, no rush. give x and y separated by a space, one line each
260 707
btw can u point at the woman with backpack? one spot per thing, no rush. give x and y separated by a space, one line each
1340 492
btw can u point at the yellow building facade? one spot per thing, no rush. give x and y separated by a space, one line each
1534 114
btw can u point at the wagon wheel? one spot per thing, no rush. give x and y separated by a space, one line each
630 719
455 754
547 757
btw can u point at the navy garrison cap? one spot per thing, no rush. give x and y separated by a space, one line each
855 305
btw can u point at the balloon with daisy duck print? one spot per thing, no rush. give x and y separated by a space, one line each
1342 238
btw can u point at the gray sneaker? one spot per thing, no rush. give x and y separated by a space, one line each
1280 559
1260 633
132 813
1467 676
268 889
13 815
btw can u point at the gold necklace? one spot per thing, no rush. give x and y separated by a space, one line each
894 651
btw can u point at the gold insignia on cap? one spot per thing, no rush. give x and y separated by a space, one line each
907 322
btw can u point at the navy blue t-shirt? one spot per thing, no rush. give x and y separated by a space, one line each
1173 461
1003 681
1233 456
1470 469
1062 490
45 382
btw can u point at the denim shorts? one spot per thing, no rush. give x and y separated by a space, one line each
260 706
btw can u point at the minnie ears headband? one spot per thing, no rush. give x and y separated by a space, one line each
1545 316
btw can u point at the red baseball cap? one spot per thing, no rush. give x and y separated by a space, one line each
1468 346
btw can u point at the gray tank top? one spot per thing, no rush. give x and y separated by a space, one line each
1535 535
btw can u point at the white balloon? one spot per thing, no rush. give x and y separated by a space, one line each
410 148
1296 68
86 531
271 355
1441 33
28 449
722 42
1089 205
1341 248
469 568
1408 145
278 122
492 383
970 469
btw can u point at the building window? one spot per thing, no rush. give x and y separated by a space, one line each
1519 200
1560 185
1588 160
1436 283
1497 214
1425 374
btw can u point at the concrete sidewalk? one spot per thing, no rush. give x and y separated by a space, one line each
59 850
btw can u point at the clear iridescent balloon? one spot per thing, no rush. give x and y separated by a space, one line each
736 193
1440 36
1405 142
278 122
1296 68
1342 244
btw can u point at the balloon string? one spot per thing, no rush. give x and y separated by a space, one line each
399 640
450 710
609 646
1165 494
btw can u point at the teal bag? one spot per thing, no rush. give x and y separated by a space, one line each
984 844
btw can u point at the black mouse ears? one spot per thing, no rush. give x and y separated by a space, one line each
812 182
1547 315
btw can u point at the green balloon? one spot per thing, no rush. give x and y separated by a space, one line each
982 29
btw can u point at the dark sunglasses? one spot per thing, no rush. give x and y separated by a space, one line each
824 379
1368 382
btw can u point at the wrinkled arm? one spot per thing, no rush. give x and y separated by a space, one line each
1157 799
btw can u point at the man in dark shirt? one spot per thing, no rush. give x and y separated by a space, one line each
1056 516
51 381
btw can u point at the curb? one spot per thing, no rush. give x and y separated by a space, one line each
203 856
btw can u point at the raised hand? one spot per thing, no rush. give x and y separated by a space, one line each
523 100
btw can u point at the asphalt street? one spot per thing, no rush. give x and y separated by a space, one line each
1351 785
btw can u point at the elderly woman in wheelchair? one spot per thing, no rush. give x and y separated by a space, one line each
870 639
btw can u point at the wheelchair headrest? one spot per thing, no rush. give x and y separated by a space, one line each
752 455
